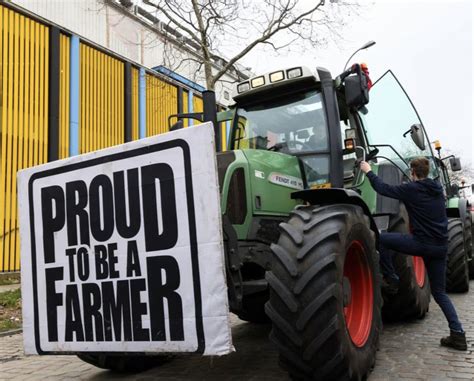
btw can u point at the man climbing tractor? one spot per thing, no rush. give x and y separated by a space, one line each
424 201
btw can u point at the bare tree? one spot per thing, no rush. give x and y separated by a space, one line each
222 27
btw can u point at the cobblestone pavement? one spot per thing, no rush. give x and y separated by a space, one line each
408 351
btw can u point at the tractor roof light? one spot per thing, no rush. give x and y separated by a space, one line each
243 87
294 73
273 79
277 76
437 145
258 81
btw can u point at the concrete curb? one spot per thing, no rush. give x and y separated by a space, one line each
10 275
11 332
10 287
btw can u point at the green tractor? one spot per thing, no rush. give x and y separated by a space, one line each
460 266
301 221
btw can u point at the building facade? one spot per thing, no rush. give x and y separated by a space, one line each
131 31
62 94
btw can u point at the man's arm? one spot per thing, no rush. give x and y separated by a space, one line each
399 192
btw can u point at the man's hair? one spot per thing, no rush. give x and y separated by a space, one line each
421 167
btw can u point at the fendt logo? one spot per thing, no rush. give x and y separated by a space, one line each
114 252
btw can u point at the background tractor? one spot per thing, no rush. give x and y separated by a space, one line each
460 266
301 221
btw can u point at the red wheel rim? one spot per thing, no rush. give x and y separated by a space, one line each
359 309
419 268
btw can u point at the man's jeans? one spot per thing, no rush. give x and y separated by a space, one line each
434 258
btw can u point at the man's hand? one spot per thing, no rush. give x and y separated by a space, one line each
365 167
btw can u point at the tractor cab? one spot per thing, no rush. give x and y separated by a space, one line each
295 112
293 124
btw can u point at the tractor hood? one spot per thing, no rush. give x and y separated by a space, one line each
256 183
267 177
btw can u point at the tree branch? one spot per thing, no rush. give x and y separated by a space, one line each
173 20
273 28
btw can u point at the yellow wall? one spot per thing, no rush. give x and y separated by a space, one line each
24 60
161 101
101 100
24 95
185 107
197 105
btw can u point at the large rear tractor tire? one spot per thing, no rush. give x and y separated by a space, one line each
413 297
468 228
325 301
457 269
124 364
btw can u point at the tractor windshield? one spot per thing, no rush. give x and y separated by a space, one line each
295 124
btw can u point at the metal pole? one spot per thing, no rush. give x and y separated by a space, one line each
210 114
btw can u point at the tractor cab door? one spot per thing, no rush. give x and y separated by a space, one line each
392 124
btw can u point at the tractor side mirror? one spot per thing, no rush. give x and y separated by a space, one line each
416 133
455 164
356 90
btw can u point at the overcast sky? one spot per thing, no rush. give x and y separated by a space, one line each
428 44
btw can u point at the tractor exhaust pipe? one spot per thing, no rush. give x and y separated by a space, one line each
210 115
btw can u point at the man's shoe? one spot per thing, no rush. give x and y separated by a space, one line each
390 286
456 340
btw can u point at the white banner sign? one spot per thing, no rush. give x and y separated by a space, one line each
121 250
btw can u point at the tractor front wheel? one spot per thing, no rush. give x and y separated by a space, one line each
325 302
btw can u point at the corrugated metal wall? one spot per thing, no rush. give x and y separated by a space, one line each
101 100
161 101
74 104
185 106
197 104
24 73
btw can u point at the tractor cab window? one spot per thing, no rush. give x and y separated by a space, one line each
293 124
